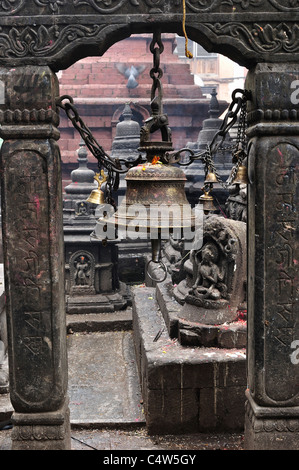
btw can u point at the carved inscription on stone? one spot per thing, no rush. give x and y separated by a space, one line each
29 274
281 289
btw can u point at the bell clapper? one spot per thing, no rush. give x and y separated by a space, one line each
156 259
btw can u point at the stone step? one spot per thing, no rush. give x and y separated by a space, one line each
103 379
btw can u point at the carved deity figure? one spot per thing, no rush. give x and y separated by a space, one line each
213 288
209 275
82 272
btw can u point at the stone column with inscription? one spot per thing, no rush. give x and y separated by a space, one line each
33 258
272 408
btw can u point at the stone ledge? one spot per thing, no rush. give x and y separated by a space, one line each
185 389
121 320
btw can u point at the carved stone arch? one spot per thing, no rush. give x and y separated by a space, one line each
40 37
62 32
140 114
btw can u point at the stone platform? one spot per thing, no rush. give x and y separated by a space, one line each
185 389
106 409
102 374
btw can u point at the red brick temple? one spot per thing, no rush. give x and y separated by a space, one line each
101 88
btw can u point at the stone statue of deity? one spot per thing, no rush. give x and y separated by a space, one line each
82 275
215 273
209 276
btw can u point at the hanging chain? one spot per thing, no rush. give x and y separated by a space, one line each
66 103
113 166
156 73
238 149
237 106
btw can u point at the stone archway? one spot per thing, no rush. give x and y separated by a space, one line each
41 37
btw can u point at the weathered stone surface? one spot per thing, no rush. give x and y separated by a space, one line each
58 34
214 286
185 389
245 37
33 251
42 431
273 326
194 333
4 382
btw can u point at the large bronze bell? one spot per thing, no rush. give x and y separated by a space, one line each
155 201
155 204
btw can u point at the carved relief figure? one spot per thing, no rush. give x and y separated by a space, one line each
236 204
82 276
209 281
82 273
215 274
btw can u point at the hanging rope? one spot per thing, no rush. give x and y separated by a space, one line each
187 53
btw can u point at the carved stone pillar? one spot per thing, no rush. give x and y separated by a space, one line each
33 258
272 409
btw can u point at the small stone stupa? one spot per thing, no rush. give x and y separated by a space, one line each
76 193
126 142
127 138
91 270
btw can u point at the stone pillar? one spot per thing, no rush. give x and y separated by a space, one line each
272 409
33 258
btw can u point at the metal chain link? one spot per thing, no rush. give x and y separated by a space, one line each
156 73
239 148
113 166
238 105
66 102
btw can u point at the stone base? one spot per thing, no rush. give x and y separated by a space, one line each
271 428
42 431
196 333
99 303
185 389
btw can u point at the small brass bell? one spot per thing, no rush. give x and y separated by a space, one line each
241 176
211 177
97 196
207 201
